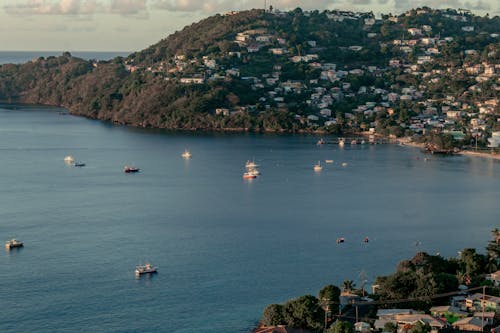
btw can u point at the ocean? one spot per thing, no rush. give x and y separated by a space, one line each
19 57
225 247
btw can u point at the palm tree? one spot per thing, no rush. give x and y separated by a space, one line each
348 285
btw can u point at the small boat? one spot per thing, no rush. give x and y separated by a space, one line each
317 167
354 142
341 142
363 142
129 169
340 240
186 154
79 164
145 269
320 142
344 164
366 240
69 159
329 161
13 243
249 175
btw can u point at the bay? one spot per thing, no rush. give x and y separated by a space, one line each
225 247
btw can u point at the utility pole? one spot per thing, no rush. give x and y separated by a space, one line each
482 307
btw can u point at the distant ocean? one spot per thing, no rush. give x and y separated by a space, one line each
19 57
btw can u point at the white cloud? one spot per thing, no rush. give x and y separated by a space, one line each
76 7
48 7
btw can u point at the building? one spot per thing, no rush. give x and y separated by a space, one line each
494 142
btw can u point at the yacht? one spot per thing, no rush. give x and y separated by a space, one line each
317 167
186 154
145 269
129 169
13 243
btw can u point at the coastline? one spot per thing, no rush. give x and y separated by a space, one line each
467 153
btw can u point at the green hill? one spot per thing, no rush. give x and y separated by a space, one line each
258 70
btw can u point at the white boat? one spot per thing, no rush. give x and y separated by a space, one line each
69 159
354 142
145 269
318 167
344 164
341 142
329 161
13 243
320 142
186 154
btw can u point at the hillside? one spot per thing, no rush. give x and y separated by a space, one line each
286 71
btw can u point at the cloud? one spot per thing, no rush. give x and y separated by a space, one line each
128 7
48 7
76 7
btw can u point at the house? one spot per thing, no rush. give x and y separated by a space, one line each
494 142
478 301
450 313
222 111
470 324
192 80
362 327
415 31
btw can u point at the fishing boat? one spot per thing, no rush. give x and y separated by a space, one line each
145 269
317 167
186 154
13 243
129 169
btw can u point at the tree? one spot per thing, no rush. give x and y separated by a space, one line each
420 328
390 327
341 327
273 315
348 285
329 293
304 312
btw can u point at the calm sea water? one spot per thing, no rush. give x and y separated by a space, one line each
225 247
18 57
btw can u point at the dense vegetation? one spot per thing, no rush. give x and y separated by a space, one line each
152 95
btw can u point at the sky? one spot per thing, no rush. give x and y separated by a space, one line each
132 25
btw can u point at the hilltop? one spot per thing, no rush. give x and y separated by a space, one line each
333 71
